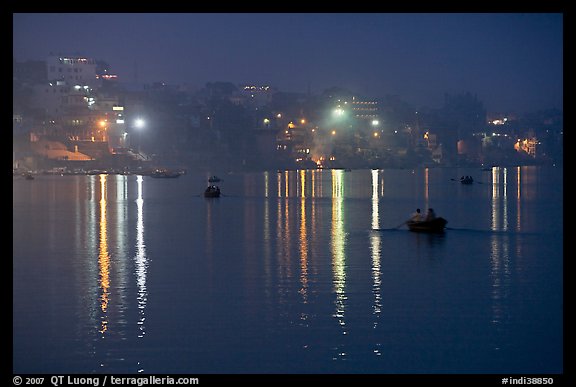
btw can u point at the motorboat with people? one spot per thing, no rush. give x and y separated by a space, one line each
429 223
466 180
435 225
212 191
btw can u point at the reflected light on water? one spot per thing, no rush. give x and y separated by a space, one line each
500 274
518 185
375 252
104 257
499 199
141 260
337 244
426 187
375 217
303 243
499 247
266 183
505 200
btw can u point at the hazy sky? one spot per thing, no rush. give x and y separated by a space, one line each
512 61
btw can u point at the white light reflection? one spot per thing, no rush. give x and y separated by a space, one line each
141 261
337 244
375 252
499 248
375 219
500 275
495 194
505 200
499 200
266 178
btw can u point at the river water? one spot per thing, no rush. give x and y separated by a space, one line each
289 272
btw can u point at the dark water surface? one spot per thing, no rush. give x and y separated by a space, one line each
285 273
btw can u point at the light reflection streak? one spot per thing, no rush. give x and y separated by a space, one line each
426 187
117 229
286 256
303 243
499 247
495 194
375 252
286 193
337 244
267 250
303 254
104 258
505 199
283 247
500 274
518 212
302 183
499 200
141 261
92 238
375 220
313 183
266 178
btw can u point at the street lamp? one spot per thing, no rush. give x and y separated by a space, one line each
139 124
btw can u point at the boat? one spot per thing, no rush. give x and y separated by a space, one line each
214 179
466 180
212 191
435 225
165 173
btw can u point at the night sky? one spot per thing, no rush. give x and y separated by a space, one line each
513 62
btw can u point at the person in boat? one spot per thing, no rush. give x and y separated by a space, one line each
417 216
431 215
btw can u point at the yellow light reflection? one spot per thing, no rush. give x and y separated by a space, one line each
104 257
313 183
337 244
518 185
302 183
286 193
303 253
141 260
279 184
426 187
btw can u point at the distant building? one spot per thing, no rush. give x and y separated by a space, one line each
72 70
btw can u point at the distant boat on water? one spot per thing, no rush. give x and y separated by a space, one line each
212 191
214 179
165 173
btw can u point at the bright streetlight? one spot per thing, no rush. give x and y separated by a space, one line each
139 124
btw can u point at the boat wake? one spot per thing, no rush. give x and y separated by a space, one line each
484 231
